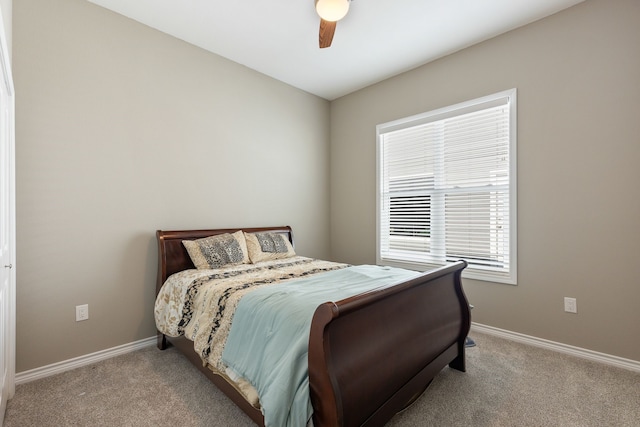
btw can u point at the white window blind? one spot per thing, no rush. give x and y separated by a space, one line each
446 189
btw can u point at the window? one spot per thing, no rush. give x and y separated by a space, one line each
447 188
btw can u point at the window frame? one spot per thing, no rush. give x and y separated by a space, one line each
478 104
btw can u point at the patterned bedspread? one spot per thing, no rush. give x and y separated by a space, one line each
200 304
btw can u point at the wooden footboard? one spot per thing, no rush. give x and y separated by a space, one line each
373 354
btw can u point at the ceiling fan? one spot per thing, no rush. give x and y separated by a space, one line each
330 12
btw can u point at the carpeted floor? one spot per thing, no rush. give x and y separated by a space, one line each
506 384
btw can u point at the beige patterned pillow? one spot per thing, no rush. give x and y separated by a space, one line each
268 246
218 251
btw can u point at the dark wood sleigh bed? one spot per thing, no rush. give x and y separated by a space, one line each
370 355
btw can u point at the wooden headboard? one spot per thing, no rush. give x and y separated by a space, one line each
173 257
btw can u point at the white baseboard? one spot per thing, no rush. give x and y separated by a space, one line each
583 353
88 359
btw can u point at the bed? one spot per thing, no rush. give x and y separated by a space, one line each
370 355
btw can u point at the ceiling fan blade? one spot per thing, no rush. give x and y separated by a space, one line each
327 28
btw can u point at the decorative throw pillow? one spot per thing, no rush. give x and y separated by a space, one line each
218 251
268 246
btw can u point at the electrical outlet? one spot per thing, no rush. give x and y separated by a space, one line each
82 312
570 305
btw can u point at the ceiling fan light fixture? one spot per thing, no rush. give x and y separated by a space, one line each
332 10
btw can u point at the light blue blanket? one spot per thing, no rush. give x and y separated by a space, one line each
268 341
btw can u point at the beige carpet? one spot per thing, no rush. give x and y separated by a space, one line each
506 384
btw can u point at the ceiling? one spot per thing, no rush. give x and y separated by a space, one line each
376 40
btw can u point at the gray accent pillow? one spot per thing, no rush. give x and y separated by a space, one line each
267 246
217 251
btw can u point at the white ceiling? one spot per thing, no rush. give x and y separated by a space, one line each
376 40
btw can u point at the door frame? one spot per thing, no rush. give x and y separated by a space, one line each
7 137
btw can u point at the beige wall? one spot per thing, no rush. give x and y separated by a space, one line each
122 130
578 80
